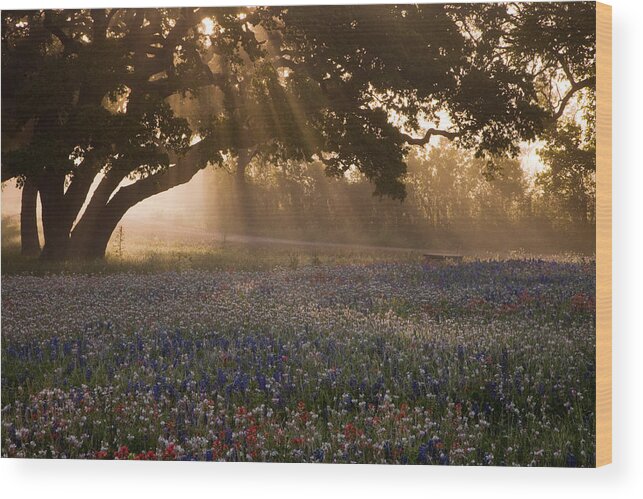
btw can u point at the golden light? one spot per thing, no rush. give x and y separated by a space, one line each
284 72
196 138
207 26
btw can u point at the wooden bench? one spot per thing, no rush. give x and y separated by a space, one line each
433 258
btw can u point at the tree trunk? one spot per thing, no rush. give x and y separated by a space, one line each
91 236
60 209
108 204
30 243
54 217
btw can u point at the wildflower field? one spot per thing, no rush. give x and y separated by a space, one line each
479 363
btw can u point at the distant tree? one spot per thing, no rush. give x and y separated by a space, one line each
555 42
98 94
568 185
453 187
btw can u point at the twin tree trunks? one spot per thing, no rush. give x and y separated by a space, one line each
68 234
86 239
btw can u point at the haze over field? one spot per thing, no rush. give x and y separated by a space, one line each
203 211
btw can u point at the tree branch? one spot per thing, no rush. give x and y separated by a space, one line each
7 173
110 15
182 172
587 82
566 70
431 132
81 181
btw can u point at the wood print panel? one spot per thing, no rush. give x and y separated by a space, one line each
603 234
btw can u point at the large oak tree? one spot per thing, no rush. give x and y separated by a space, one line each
142 99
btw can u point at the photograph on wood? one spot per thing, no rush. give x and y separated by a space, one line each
373 234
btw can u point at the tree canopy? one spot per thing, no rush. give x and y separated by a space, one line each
145 98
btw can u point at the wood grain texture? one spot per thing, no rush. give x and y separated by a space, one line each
603 234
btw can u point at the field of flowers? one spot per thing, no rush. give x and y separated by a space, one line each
480 363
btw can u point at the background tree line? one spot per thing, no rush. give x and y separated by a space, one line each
453 202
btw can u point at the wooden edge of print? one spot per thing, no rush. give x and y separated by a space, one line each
603 234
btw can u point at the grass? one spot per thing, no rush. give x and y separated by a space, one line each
231 257
127 253
146 256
